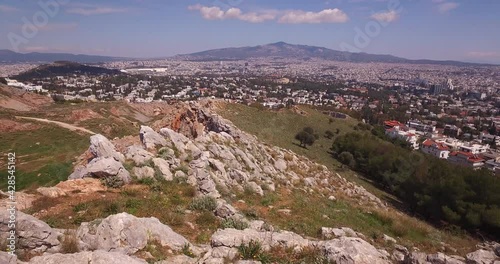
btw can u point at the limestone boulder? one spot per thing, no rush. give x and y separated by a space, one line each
102 168
94 257
347 250
151 139
34 235
101 147
127 234
164 167
139 155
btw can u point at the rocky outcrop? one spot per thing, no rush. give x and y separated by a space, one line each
346 250
127 234
80 186
329 233
177 139
105 162
151 139
143 172
102 168
139 155
23 200
340 250
6 258
481 256
96 257
33 235
101 147
164 167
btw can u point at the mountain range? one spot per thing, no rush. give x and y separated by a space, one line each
276 50
285 50
8 56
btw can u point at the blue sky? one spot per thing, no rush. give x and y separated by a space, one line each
466 30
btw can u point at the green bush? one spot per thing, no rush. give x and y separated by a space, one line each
112 182
205 203
252 250
234 223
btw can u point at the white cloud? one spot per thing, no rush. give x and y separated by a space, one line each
6 8
216 13
88 10
484 54
289 17
325 16
447 6
388 16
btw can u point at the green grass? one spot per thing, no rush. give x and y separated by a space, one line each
279 128
43 157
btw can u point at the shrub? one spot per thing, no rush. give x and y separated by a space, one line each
113 182
347 158
252 250
69 242
80 207
186 250
112 208
205 203
207 219
234 223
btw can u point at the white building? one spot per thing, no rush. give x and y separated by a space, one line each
404 133
438 150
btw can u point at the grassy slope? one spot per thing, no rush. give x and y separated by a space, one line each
44 156
279 129
313 212
50 161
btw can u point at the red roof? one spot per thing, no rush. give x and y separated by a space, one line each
432 143
470 157
393 123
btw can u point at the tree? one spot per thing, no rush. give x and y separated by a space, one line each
306 137
347 158
329 134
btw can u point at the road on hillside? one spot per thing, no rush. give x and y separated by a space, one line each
61 124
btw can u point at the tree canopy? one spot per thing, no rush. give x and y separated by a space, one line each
434 188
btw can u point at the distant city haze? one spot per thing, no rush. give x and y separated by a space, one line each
460 30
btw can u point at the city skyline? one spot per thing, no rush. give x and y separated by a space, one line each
430 29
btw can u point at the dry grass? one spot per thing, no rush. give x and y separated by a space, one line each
69 242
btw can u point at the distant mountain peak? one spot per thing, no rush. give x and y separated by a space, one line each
282 49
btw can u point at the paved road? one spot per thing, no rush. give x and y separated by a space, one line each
61 124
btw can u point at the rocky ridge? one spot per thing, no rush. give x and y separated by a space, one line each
215 157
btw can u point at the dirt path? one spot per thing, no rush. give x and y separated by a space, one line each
61 124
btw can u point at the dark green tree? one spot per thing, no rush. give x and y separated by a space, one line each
329 134
306 137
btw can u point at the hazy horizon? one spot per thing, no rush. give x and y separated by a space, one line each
457 30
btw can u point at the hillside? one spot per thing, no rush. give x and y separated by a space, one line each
216 193
8 56
63 68
292 51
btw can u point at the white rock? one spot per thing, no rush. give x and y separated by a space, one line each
101 147
164 167
150 138
95 257
143 172
127 234
139 155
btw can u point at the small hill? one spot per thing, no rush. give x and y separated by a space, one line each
63 68
20 100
